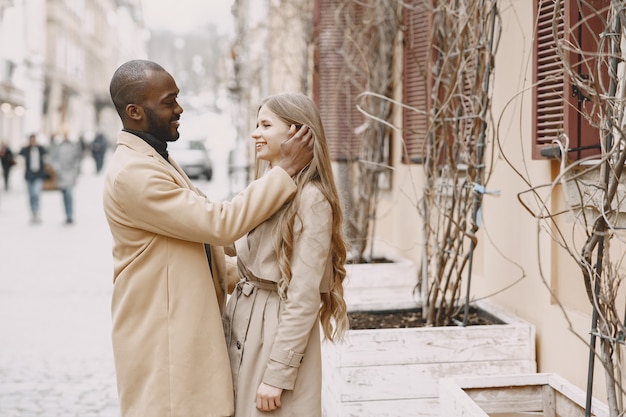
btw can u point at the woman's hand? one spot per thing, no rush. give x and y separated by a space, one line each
268 397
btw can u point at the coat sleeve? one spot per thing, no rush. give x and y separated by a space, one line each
151 198
219 274
301 309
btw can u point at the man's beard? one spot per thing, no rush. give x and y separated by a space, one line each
158 129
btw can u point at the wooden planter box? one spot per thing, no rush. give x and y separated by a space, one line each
375 286
396 372
546 395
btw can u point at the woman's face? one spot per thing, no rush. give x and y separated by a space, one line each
270 132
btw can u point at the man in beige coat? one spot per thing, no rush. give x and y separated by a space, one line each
169 286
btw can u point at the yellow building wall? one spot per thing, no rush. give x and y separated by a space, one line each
517 262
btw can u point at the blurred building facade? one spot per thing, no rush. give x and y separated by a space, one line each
56 60
272 53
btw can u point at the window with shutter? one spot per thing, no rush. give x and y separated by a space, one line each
334 87
415 82
563 102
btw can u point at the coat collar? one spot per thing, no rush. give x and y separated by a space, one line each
137 144
159 145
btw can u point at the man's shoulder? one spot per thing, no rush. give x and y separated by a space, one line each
133 165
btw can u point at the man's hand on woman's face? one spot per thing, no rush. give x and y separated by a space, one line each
297 150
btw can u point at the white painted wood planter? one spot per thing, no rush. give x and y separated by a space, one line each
396 372
375 286
546 395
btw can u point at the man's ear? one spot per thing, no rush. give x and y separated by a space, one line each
134 111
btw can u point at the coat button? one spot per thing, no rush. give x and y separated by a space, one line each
238 345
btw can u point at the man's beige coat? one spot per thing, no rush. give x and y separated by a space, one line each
168 341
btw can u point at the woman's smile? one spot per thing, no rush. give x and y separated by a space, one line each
270 132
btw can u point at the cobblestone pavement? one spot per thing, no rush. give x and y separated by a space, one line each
55 288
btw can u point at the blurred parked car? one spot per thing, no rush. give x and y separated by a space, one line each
193 157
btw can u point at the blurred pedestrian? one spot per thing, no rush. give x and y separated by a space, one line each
65 158
34 156
82 145
7 160
292 272
169 284
98 150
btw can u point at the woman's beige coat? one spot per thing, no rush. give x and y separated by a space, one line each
168 341
278 341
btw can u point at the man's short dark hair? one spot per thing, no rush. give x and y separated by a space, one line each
128 84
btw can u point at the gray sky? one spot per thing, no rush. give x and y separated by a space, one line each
181 15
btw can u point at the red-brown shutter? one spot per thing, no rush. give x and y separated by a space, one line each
591 23
334 90
558 107
548 102
416 91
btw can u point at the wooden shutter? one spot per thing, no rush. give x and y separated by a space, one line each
334 90
416 85
561 106
590 24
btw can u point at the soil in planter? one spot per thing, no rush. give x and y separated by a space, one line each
371 261
407 318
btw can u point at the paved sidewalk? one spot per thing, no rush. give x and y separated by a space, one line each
55 288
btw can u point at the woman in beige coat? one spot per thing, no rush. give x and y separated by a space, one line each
168 295
292 269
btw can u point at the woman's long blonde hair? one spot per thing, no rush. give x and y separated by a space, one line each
298 109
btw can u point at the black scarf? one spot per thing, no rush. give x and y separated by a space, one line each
158 145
